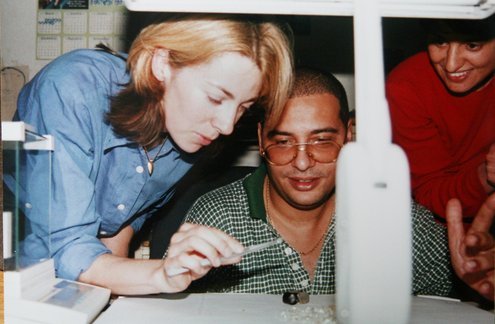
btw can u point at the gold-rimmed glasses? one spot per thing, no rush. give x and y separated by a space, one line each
323 151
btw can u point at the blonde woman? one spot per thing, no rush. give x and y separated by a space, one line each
127 128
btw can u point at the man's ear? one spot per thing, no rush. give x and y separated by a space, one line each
160 64
350 129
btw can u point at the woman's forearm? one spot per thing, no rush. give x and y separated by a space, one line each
126 276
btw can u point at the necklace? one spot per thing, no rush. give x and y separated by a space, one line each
266 190
151 161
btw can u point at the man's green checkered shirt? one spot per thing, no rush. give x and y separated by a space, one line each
238 209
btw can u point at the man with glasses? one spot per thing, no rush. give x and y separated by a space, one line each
292 196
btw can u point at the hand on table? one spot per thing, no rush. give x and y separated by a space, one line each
472 252
193 243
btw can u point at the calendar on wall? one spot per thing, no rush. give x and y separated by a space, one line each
65 25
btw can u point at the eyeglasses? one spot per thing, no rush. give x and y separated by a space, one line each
323 151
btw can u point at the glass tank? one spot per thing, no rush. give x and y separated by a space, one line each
27 159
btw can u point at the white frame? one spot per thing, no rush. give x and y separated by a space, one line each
469 9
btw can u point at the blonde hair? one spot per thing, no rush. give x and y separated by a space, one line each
192 40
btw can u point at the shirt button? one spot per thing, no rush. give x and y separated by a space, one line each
28 205
295 266
103 233
139 169
288 251
121 207
304 283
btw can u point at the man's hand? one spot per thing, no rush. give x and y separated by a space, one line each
472 252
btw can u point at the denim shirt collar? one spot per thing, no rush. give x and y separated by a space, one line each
112 141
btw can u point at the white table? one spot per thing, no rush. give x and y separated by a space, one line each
258 309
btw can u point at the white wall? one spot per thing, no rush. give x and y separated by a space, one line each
17 49
18 34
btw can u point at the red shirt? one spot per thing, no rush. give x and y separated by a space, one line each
445 137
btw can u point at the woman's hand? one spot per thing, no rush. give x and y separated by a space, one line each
189 246
472 252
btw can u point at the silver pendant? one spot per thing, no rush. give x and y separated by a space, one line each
150 167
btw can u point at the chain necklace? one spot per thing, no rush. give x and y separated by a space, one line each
151 162
266 189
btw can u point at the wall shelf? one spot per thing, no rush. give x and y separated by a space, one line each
463 9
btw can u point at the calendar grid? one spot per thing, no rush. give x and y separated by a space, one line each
66 25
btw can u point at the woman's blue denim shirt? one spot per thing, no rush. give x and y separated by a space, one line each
99 181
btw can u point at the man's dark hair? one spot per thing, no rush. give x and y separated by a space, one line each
309 81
